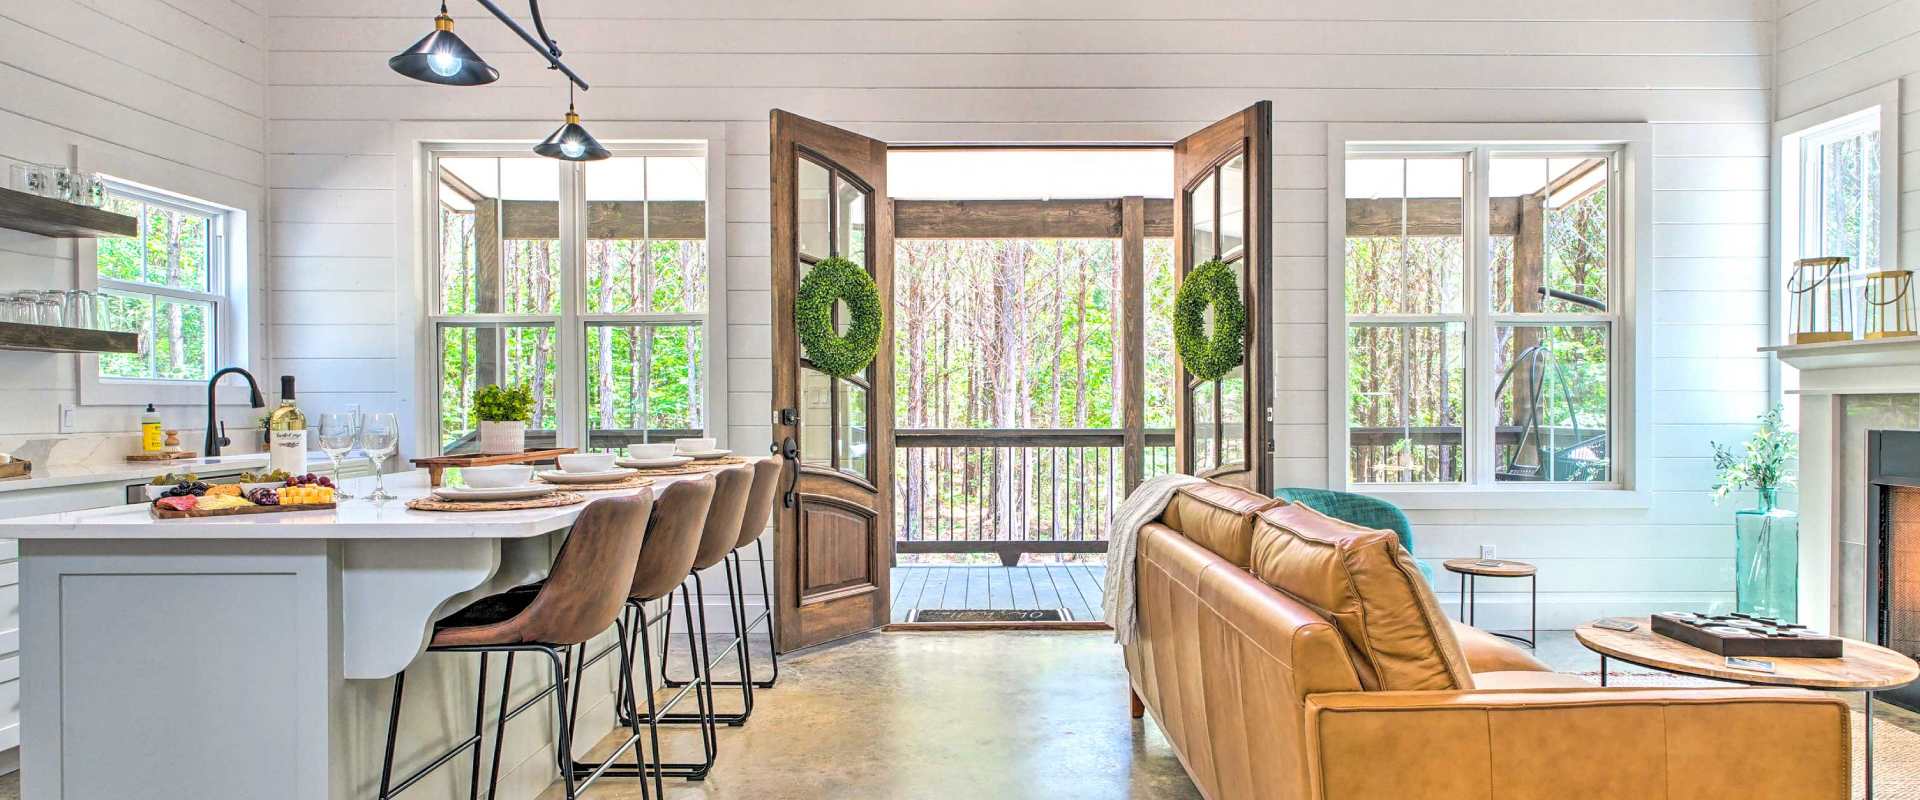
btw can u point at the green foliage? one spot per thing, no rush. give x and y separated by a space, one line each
837 279
496 403
1762 464
1210 284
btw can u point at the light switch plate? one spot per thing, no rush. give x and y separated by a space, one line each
1488 551
69 417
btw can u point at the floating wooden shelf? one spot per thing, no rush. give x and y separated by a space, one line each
48 217
55 339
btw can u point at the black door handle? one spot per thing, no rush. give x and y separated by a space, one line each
790 452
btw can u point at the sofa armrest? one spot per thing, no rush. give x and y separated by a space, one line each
1486 652
1653 744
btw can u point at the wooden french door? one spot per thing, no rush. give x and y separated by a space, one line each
834 520
1223 208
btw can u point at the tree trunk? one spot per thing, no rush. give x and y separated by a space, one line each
1080 349
600 261
542 337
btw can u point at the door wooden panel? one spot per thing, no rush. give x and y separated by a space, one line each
833 525
1223 208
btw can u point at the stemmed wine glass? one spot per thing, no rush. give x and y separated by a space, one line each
380 438
337 432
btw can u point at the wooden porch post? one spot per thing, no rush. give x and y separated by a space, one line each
1133 339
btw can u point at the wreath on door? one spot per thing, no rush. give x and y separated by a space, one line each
1209 357
838 280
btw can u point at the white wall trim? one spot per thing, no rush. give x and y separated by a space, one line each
1633 409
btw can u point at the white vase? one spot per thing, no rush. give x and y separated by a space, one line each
500 438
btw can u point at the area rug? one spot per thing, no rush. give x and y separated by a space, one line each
1896 733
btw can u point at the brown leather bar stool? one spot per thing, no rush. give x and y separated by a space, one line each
753 527
732 490
582 595
673 540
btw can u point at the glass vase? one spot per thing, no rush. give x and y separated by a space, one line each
1767 560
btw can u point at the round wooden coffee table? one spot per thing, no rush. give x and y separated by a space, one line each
1470 569
1862 667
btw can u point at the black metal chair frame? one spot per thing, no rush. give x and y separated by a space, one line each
560 657
737 600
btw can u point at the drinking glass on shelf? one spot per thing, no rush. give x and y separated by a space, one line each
21 308
337 432
79 308
30 178
60 185
380 438
90 190
52 310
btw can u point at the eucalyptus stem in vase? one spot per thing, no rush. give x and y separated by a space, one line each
1766 538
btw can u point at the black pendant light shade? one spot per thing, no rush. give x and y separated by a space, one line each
440 57
572 142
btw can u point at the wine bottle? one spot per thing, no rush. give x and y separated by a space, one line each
287 433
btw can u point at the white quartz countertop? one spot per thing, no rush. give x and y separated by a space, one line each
53 476
358 518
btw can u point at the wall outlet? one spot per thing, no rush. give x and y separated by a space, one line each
69 417
1488 552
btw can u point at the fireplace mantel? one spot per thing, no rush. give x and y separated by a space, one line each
1828 374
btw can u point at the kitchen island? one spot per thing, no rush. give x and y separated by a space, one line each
249 656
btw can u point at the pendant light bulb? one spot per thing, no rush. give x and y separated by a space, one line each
441 57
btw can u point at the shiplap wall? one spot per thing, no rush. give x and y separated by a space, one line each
1053 70
1828 49
168 93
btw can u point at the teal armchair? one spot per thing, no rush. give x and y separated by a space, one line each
1358 509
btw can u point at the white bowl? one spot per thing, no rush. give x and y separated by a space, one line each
695 445
586 462
647 452
498 476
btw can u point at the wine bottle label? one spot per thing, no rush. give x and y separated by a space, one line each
288 451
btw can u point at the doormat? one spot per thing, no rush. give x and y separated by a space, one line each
991 615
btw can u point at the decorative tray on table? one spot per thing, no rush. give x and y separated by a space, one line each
1745 635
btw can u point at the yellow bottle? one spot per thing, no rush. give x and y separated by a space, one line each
152 439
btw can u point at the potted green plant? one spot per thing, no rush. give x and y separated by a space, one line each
503 412
1767 537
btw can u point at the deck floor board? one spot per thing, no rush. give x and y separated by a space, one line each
1075 588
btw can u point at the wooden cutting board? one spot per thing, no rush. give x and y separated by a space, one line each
168 513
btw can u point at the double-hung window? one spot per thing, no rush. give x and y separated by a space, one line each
167 283
588 284
1485 296
1838 186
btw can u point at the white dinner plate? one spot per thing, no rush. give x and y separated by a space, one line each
501 493
703 455
596 476
654 463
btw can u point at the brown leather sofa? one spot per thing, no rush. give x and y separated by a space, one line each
1288 655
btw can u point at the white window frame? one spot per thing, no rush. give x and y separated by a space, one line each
1630 146
226 291
1876 107
570 324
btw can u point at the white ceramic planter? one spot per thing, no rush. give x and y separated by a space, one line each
499 438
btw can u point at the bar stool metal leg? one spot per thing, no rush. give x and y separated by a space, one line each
766 600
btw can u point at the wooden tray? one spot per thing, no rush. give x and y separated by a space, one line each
438 465
168 513
172 455
554 500
1754 637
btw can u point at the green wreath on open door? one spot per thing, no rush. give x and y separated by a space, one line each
837 279
1207 358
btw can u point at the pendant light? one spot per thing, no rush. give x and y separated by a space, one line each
440 57
571 142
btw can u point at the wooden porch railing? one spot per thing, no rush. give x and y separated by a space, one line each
1010 492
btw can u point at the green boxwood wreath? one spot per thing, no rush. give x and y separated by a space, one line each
1208 358
830 280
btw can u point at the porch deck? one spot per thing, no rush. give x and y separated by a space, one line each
1074 587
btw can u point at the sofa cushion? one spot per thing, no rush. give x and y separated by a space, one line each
1217 517
1528 679
1367 585
1486 652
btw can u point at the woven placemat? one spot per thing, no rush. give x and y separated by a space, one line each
554 500
703 465
634 481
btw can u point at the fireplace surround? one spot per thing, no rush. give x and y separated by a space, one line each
1893 549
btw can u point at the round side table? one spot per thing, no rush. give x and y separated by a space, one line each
1861 667
1470 569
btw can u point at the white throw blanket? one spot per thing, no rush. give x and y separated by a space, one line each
1123 542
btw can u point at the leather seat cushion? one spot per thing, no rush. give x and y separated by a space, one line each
1367 585
1217 517
1486 652
1528 679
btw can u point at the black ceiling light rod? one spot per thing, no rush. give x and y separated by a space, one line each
547 49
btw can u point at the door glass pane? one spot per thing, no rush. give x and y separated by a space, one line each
1233 417
851 206
816 417
1548 229
812 209
475 356
1405 414
1202 224
646 236
851 441
1553 403
506 257
1406 238
1233 207
1206 455
644 383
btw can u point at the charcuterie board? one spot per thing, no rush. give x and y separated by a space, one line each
168 513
